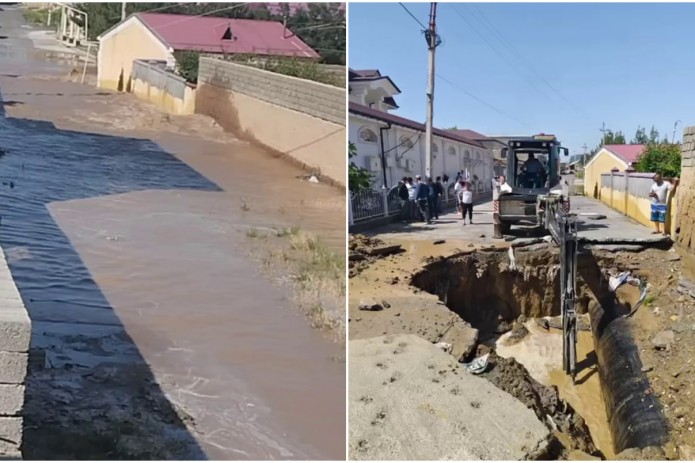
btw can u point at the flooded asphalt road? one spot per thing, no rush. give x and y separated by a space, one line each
130 252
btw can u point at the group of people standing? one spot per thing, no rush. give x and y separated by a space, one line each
421 200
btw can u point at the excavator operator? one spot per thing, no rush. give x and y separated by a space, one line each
533 172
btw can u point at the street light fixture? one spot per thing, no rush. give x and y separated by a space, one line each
673 138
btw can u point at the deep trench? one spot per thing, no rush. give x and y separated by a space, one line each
488 293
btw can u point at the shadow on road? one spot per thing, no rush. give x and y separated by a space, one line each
91 394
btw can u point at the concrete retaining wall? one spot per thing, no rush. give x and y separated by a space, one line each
297 118
15 336
630 196
167 91
685 222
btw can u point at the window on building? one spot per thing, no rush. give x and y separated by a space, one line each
368 135
452 151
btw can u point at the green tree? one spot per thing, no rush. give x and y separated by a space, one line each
359 178
187 62
611 138
661 158
653 135
640 137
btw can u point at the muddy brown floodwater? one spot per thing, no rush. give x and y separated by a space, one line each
125 232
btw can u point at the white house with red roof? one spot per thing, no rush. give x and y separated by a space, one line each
392 147
155 36
607 158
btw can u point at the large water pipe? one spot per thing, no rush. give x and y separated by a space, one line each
634 413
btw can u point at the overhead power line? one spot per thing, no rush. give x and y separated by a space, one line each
413 16
486 22
499 111
496 50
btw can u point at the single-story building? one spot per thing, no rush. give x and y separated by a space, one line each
155 36
607 158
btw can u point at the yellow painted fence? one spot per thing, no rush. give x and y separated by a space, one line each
169 92
628 193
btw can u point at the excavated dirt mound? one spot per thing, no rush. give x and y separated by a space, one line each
513 378
365 250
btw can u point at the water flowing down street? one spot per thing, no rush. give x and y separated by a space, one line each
126 234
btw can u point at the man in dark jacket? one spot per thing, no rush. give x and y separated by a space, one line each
439 186
403 195
432 195
422 195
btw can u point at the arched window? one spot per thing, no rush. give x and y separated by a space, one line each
435 149
452 150
466 154
367 135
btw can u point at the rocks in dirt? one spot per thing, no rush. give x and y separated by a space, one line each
513 378
648 453
686 287
686 452
647 368
578 455
445 346
432 399
364 250
356 257
385 304
370 305
385 250
519 332
663 339
439 242
392 280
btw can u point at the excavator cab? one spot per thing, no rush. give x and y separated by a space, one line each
533 170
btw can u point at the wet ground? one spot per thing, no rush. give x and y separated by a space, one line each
127 243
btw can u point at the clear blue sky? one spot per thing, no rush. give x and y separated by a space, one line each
627 65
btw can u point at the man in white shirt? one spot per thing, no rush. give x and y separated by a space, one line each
504 186
659 208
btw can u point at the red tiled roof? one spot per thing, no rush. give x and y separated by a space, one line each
628 153
402 121
204 33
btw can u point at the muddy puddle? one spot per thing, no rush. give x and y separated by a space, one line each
541 353
129 250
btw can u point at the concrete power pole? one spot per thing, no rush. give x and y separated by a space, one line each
123 11
431 35
584 157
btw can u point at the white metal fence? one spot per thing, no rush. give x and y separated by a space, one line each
367 205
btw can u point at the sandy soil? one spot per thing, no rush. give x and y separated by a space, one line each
668 313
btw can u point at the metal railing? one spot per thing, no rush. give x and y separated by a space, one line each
367 205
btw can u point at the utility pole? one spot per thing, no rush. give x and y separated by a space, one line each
584 157
673 138
431 36
123 11
603 131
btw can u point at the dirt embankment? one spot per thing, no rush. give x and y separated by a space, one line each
385 298
418 286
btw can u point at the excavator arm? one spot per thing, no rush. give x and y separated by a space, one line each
563 229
